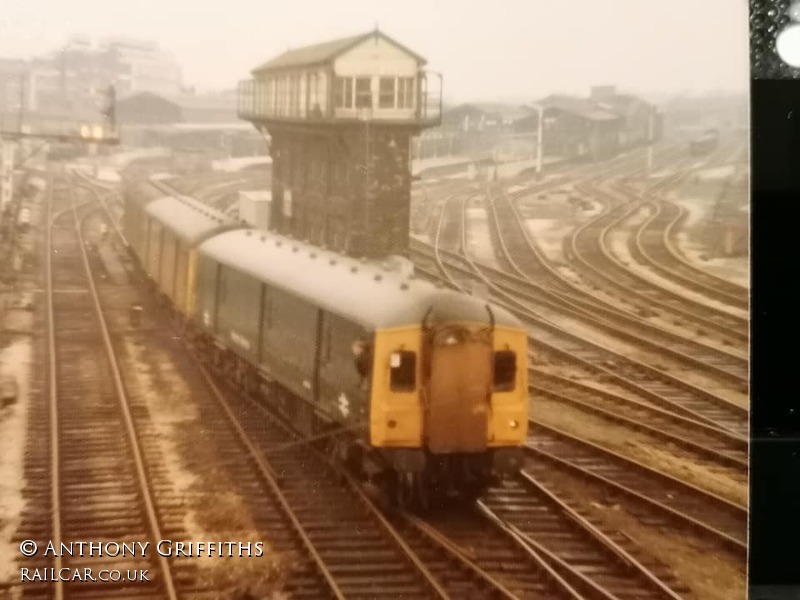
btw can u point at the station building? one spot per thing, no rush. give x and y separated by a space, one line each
340 117
594 128
634 113
575 128
68 81
201 123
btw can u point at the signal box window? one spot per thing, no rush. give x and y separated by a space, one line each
344 92
405 92
505 370
403 374
363 93
386 99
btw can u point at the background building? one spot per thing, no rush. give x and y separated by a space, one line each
590 128
70 82
200 123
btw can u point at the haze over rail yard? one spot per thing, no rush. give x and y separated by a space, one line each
390 343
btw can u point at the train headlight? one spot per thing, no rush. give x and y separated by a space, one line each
513 423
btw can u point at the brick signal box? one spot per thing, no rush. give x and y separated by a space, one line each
340 116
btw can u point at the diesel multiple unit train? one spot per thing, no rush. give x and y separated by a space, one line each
429 386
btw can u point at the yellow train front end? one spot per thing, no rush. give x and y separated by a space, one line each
449 402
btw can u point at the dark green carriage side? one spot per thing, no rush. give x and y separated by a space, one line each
205 295
238 311
304 348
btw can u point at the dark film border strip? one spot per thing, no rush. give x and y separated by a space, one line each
774 562
767 19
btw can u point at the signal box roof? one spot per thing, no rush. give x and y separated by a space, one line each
324 53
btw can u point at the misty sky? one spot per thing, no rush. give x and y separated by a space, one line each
499 49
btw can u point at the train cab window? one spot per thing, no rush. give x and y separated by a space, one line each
403 374
505 370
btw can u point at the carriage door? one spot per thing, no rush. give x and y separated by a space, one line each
459 388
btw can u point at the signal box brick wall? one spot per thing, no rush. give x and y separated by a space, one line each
346 188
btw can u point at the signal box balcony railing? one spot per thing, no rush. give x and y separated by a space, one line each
260 101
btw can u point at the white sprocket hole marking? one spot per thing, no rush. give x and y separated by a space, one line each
788 45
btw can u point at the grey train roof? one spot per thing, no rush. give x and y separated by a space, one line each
364 293
191 220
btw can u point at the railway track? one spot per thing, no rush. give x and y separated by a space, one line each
469 554
653 244
540 271
538 282
589 248
698 438
98 482
661 500
588 559
504 568
527 270
657 386
354 548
